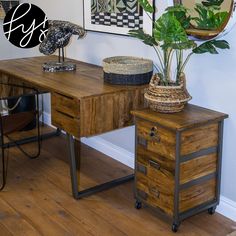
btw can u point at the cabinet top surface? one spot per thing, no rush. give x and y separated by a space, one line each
86 81
191 116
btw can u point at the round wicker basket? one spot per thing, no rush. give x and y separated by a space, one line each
127 70
167 99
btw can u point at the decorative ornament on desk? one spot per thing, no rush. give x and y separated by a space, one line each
58 37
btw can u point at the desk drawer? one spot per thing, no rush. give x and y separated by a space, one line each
65 104
66 122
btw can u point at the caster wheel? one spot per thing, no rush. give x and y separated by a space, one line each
211 210
138 205
175 228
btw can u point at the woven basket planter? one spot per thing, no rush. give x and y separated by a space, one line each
127 70
167 99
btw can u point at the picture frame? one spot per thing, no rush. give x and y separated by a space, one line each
116 16
5 6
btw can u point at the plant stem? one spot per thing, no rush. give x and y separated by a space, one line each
179 55
169 61
157 68
185 62
159 58
165 65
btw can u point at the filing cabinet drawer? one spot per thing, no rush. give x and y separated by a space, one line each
159 191
144 157
153 193
66 122
155 179
162 178
156 138
65 104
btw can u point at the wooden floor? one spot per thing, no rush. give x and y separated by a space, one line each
37 200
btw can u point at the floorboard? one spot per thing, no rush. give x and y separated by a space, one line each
37 200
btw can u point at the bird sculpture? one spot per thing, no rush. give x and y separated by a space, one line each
58 37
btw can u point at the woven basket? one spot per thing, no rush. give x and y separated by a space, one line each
167 99
127 70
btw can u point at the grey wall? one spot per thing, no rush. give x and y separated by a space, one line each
211 80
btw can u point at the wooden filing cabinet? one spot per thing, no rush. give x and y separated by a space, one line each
178 161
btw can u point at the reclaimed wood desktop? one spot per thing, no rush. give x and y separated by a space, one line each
81 104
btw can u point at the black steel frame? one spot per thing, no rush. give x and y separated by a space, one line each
74 166
14 143
48 135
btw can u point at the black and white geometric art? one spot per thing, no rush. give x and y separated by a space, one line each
132 21
115 16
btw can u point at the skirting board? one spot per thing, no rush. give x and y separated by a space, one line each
227 207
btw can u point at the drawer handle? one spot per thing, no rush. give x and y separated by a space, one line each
153 131
154 164
154 134
155 192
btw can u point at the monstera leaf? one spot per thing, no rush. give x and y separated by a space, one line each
146 38
180 12
210 47
180 45
169 30
146 6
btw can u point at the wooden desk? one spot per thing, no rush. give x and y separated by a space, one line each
82 104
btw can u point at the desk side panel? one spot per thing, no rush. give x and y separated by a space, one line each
100 114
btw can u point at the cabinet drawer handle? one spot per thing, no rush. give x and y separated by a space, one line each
154 164
154 134
155 191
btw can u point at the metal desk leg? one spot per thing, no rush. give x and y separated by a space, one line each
74 166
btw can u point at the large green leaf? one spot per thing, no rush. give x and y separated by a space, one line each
146 6
210 47
222 44
146 38
180 45
180 12
169 30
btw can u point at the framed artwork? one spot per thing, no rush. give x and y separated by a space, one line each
5 6
116 16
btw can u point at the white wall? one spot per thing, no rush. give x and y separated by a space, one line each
211 79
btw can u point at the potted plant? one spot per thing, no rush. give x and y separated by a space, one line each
167 90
